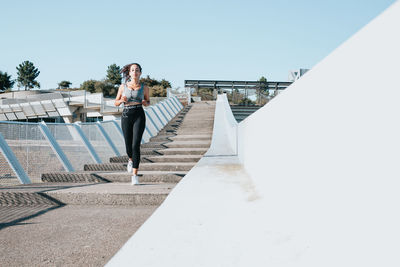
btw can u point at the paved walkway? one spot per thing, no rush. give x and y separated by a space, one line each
76 223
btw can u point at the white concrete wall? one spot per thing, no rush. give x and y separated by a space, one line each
325 153
224 138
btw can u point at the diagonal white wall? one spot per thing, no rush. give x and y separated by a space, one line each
325 154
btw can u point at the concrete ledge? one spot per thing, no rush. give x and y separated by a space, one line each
209 219
69 177
159 166
172 158
101 176
12 199
147 176
188 144
113 194
182 151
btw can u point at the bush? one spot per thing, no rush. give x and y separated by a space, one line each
157 90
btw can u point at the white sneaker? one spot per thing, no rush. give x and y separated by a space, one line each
129 167
135 179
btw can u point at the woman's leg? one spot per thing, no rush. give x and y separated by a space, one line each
138 129
127 129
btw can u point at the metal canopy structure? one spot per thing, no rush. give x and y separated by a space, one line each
223 85
254 90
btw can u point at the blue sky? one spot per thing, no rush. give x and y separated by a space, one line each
76 40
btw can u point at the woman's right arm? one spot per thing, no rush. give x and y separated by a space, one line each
119 99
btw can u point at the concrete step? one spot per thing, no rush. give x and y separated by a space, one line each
242 113
241 117
174 137
145 176
162 138
14 199
245 107
194 137
121 176
172 158
183 151
168 130
145 151
72 177
188 144
163 166
146 194
198 119
199 131
155 145
159 158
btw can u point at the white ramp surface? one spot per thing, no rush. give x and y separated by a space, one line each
316 181
326 157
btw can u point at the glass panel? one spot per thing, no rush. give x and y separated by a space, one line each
115 136
93 134
31 148
7 174
72 145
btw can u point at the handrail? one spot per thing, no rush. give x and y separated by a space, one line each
27 144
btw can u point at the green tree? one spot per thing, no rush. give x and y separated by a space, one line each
262 79
205 93
158 90
114 75
64 84
6 83
27 74
165 84
264 85
149 81
89 86
106 88
262 96
246 102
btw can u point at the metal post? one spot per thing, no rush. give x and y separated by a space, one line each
151 120
88 145
169 113
13 161
118 128
179 105
174 105
108 139
189 98
162 113
55 146
171 106
246 93
158 117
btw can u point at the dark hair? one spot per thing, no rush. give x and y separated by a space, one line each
125 70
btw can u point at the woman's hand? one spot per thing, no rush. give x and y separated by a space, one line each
120 98
145 103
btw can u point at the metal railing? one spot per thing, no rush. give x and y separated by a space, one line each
27 150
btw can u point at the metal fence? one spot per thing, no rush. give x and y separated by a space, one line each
27 150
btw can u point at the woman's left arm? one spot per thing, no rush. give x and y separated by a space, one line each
146 100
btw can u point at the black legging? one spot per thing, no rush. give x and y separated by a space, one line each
133 122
